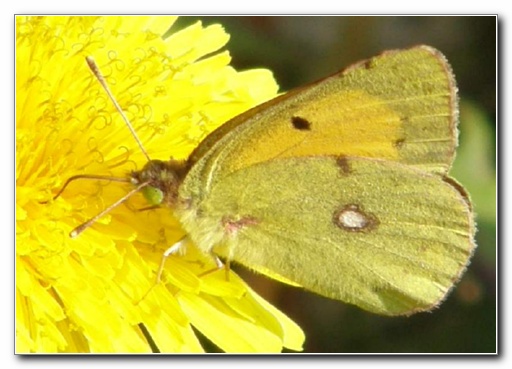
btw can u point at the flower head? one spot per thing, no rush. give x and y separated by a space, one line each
97 292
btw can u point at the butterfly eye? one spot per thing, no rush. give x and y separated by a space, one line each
153 195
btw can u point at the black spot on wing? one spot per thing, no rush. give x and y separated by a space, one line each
301 124
343 164
399 143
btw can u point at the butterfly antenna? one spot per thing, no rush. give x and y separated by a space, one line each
96 71
86 176
82 227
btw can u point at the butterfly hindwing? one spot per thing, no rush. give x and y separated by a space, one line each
378 234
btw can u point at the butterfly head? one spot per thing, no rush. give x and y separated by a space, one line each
163 178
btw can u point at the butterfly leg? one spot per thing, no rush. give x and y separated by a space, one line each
171 250
177 247
219 264
227 268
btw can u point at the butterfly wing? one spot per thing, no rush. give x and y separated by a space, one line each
400 106
384 236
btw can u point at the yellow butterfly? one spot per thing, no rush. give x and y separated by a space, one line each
340 187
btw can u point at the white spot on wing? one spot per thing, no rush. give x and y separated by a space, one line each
352 218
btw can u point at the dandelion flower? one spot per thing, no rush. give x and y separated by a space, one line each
97 292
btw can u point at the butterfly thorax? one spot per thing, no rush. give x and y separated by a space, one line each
163 178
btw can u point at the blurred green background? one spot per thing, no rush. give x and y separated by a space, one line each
302 49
